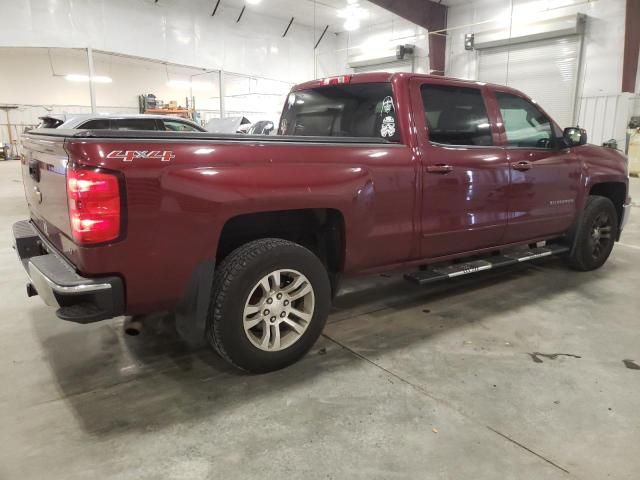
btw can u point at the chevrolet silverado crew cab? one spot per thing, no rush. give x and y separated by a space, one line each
244 238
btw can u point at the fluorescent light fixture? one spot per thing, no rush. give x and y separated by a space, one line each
351 24
75 77
253 2
352 14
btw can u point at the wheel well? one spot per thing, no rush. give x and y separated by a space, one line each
320 230
614 191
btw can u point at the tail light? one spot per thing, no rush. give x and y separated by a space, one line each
94 205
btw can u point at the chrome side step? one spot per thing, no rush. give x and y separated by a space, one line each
437 273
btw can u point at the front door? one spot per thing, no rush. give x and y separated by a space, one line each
464 174
545 176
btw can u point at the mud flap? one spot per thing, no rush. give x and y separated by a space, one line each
191 314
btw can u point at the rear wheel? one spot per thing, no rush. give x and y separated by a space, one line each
270 302
595 235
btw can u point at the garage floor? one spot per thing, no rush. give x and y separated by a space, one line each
532 372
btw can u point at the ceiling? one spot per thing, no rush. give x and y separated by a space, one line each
308 12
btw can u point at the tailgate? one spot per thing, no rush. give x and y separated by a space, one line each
44 175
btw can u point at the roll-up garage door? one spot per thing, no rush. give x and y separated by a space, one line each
391 67
546 70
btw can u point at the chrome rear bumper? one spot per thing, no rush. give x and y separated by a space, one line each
55 280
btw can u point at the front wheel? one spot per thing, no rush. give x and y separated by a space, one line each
595 235
271 299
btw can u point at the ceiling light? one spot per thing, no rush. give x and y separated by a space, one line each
351 24
353 13
75 77
352 10
253 2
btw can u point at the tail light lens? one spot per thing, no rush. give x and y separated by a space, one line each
94 205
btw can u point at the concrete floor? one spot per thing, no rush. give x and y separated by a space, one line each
441 382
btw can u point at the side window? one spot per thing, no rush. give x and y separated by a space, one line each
456 115
175 126
526 126
134 124
99 124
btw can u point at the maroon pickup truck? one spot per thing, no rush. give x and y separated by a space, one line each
245 238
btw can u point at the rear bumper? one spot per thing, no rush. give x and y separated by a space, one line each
54 279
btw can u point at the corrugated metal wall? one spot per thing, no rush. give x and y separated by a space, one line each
606 117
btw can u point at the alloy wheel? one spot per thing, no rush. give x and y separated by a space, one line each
278 310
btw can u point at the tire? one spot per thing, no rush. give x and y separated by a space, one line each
238 333
595 234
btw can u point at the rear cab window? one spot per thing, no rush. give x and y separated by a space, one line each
352 110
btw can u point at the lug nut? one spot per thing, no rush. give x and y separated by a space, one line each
283 314
273 319
269 301
279 296
266 312
286 302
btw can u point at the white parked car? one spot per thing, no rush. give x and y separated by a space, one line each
93 121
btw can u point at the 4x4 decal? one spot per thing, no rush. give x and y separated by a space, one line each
131 155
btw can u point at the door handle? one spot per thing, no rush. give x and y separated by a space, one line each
522 166
441 169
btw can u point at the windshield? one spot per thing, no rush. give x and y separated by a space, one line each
364 110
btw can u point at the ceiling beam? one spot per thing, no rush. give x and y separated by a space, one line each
288 27
429 15
631 46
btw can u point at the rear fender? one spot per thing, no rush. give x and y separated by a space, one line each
214 195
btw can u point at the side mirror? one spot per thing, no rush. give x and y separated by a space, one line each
574 136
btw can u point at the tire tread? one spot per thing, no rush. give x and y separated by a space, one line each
577 258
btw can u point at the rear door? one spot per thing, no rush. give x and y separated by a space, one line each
545 175
465 175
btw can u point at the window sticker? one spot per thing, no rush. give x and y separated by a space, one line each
388 128
387 105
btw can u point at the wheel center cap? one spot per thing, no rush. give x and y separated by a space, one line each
277 306
596 234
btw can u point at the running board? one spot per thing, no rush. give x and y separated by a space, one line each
437 273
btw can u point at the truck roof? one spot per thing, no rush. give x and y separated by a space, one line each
381 77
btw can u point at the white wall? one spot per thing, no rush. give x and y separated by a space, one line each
177 31
604 35
380 40
602 108
34 80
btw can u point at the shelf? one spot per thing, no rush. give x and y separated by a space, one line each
168 111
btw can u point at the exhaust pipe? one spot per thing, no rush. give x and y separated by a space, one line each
133 326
